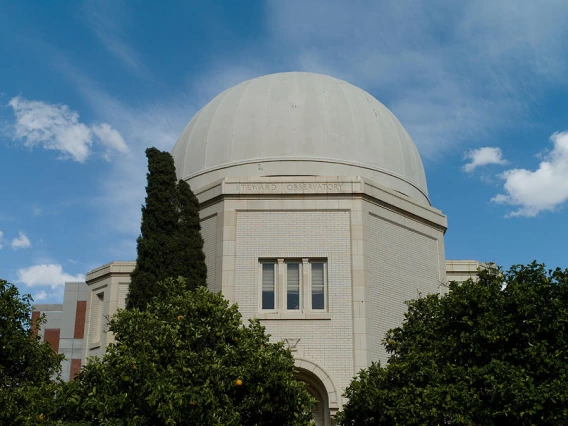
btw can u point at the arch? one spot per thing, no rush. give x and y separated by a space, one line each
314 375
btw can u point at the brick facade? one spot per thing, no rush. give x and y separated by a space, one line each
75 368
51 335
79 329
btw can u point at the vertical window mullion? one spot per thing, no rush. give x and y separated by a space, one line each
281 285
305 284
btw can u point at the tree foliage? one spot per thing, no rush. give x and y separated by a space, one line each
187 359
491 352
27 365
170 244
190 258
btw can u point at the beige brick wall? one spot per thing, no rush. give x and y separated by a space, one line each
97 323
209 233
296 234
404 263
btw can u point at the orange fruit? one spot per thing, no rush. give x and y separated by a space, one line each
239 382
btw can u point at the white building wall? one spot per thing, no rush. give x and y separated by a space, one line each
462 270
209 234
327 341
404 264
70 346
98 304
111 282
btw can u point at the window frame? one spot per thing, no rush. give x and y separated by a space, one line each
274 283
286 287
305 284
324 285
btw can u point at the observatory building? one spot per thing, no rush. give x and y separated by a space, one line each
316 220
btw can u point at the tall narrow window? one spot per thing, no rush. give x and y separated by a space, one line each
318 286
97 316
293 286
268 293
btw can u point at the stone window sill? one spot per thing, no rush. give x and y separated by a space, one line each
294 316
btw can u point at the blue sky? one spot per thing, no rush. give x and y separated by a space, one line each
85 87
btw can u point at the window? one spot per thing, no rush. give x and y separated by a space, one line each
293 285
268 288
318 286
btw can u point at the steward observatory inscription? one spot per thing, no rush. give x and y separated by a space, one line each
258 187
290 187
314 187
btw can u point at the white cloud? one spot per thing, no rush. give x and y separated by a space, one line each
21 242
53 127
1 240
56 127
482 157
544 189
39 296
110 137
54 296
46 275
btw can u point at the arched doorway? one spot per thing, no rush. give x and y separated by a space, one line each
321 410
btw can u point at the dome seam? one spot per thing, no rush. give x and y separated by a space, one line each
294 114
324 109
224 94
355 135
268 92
236 119
390 116
189 144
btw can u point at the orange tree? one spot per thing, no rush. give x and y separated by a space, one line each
490 352
27 364
187 359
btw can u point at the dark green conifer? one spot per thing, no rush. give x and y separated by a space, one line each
170 244
189 259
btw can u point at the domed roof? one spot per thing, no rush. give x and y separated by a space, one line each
299 124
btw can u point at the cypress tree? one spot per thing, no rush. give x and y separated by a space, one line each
170 244
190 258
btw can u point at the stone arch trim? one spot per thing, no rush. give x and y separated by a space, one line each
333 395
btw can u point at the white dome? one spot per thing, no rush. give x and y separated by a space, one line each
299 124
